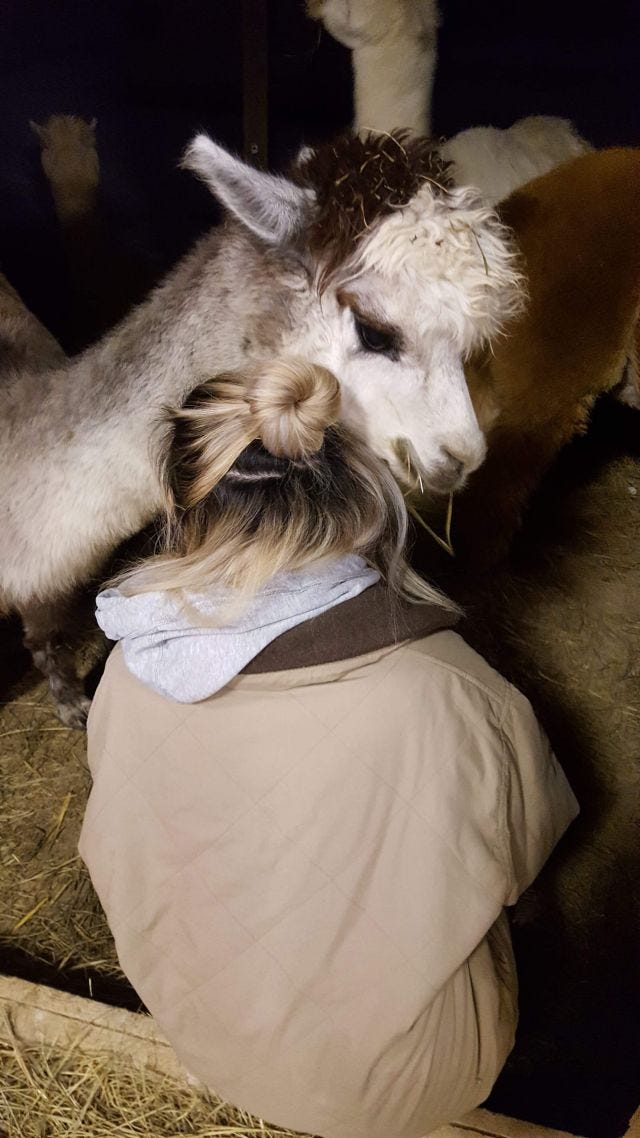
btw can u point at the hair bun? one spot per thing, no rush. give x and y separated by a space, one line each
293 403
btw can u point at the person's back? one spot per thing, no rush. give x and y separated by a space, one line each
305 866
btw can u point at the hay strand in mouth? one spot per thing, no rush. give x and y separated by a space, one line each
444 542
412 480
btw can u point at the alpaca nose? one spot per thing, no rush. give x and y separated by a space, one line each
455 465
463 456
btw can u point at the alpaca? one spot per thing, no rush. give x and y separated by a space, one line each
559 616
394 47
497 162
579 233
70 162
361 261
106 280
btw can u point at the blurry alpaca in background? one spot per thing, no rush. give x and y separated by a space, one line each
70 162
105 278
394 45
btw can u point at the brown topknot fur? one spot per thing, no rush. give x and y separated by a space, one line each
359 179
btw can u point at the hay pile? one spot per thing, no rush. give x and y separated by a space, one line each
49 909
46 1092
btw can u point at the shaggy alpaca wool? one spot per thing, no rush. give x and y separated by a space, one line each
501 161
361 180
386 205
438 240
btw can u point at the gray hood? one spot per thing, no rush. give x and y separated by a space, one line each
165 646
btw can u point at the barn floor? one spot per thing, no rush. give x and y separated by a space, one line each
50 914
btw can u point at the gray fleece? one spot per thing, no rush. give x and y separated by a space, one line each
166 647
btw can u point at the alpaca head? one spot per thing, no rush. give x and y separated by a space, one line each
69 157
404 277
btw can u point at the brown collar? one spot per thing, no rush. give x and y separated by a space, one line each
374 619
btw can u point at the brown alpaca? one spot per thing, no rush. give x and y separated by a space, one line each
560 619
578 229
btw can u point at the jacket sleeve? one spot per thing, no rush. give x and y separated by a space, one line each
539 803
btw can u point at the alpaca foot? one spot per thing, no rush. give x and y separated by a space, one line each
67 689
73 712
52 655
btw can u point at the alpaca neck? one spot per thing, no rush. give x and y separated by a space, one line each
75 202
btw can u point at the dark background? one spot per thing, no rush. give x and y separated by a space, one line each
153 71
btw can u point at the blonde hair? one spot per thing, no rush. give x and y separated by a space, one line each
260 478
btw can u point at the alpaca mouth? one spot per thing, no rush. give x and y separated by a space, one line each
416 480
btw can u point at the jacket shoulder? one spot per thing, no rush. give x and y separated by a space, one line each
448 652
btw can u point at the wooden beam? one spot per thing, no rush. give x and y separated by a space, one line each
255 81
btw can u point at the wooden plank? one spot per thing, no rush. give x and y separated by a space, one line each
40 1015
486 1122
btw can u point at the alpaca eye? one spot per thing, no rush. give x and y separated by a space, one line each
375 340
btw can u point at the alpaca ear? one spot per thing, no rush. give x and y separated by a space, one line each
272 207
38 130
93 124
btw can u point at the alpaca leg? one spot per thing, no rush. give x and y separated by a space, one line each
394 46
24 342
48 635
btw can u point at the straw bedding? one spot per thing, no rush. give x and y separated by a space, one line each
47 1092
49 909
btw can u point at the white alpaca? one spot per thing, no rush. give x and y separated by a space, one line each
394 54
361 262
498 162
394 45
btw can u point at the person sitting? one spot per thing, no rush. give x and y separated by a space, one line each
312 800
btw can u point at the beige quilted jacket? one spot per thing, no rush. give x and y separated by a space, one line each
306 877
